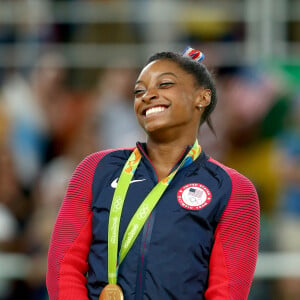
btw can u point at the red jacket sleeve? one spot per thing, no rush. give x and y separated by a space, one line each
71 237
234 254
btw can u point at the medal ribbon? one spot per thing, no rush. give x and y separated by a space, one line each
141 215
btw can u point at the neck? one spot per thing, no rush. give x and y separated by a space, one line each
165 155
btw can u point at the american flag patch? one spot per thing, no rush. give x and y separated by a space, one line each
194 196
195 193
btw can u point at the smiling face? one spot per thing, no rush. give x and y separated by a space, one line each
167 98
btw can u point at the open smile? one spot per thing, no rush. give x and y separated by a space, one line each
154 110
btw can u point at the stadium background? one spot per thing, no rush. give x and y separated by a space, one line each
66 78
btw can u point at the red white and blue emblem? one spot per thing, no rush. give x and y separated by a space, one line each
194 196
193 54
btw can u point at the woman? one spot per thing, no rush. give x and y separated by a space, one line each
162 220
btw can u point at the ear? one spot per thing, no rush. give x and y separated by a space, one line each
203 98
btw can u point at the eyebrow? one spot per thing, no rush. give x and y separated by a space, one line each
168 73
160 75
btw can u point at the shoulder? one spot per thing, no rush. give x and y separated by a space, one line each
243 203
237 179
92 160
87 168
243 196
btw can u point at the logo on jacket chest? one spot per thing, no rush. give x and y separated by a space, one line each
194 196
114 184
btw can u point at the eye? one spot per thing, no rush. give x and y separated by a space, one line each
166 84
138 92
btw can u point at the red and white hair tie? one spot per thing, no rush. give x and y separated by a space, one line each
193 54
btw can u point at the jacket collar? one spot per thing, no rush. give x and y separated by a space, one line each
143 149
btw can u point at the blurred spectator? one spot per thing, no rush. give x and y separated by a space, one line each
36 23
197 27
14 206
246 95
32 108
246 100
288 145
288 208
113 31
50 131
8 222
48 195
160 14
118 124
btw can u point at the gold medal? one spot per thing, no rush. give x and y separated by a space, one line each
111 292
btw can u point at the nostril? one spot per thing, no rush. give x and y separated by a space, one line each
148 98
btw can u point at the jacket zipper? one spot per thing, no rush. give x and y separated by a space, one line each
146 237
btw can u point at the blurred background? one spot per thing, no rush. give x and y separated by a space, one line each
67 70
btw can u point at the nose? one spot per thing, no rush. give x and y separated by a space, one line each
150 95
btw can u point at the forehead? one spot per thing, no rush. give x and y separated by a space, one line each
157 67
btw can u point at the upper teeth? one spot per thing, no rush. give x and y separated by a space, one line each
154 110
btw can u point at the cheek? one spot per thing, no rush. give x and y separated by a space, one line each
136 104
185 108
136 108
185 101
187 97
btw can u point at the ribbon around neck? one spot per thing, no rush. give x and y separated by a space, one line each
141 215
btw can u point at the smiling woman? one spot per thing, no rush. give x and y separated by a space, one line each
164 101
162 220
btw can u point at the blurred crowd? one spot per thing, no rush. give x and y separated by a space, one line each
47 126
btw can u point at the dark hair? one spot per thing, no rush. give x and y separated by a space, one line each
202 77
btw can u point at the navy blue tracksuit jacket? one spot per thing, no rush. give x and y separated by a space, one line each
200 241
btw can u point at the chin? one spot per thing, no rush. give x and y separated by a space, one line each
155 127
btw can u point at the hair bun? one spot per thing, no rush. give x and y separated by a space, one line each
193 54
